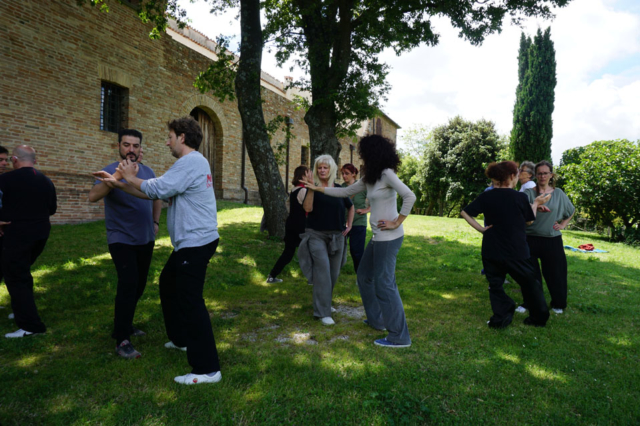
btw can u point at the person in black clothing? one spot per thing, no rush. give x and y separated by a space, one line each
504 244
295 223
28 199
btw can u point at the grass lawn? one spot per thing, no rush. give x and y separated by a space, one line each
279 366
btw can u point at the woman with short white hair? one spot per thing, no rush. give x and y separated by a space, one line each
322 250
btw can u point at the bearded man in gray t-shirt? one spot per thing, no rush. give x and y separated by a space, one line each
132 224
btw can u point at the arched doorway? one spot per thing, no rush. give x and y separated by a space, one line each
208 145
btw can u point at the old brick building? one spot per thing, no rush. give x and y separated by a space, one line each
68 74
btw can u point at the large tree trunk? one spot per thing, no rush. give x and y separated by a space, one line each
272 190
322 132
329 51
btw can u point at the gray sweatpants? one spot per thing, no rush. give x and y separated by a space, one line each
379 292
326 269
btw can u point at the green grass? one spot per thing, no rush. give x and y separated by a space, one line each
583 368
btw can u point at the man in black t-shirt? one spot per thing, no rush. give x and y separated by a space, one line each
28 199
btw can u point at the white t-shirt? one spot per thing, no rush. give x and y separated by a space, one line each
530 184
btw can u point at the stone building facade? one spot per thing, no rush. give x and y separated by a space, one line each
59 59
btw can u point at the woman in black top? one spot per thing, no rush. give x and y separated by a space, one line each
322 250
295 223
504 244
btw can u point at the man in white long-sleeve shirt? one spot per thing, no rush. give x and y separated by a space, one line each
193 228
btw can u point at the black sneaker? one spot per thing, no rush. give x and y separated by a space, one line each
529 321
137 332
272 280
126 350
500 324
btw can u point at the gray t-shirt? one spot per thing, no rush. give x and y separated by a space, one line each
561 209
192 218
129 219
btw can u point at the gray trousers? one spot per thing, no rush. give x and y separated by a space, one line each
326 269
379 292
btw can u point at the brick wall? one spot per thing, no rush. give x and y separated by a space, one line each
53 57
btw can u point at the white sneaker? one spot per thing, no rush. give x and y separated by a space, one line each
171 345
557 311
19 333
11 316
333 310
198 379
521 310
327 321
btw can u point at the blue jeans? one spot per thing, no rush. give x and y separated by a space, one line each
379 292
357 237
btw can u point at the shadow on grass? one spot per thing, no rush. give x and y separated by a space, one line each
456 370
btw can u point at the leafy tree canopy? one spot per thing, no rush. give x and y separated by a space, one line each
604 182
455 160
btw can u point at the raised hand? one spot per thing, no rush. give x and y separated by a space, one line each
308 183
542 199
128 169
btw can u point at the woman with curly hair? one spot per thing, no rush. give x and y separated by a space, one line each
504 248
376 273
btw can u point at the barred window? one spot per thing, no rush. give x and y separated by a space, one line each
113 107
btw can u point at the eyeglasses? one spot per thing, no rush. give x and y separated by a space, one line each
543 174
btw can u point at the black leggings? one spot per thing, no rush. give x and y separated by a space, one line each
550 254
291 243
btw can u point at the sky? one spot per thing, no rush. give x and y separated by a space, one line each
597 46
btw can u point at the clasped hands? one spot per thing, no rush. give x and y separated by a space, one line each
126 170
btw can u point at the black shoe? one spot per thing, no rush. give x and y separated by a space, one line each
529 321
126 350
137 332
500 324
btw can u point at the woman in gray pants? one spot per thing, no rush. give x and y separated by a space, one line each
322 249
376 273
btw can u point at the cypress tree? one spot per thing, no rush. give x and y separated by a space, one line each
532 123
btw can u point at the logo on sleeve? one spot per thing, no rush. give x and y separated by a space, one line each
209 181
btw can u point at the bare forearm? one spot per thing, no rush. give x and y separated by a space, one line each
308 201
130 189
352 211
157 210
136 182
472 221
98 192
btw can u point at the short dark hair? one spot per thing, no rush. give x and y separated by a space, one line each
188 127
298 174
129 132
501 171
4 150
